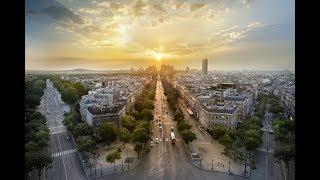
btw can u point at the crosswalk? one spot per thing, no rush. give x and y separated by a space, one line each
64 152
166 139
264 129
57 132
57 129
264 150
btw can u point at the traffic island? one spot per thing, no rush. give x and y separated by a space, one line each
206 157
128 161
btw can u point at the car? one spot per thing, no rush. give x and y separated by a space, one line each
151 144
157 140
160 128
171 128
68 138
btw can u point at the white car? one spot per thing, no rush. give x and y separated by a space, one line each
157 140
160 128
151 144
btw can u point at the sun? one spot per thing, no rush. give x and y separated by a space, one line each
157 55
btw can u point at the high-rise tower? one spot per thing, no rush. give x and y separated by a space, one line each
205 66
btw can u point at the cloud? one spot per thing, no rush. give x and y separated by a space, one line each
194 7
138 8
238 32
247 3
62 13
178 5
253 25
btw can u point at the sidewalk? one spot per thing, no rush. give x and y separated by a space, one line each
104 168
211 151
213 160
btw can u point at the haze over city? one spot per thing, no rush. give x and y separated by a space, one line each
112 35
159 89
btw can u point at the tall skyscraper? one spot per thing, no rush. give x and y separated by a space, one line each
205 66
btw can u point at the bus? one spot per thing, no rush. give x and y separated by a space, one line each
173 138
190 112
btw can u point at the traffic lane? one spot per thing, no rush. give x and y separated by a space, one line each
260 171
57 171
73 167
56 145
65 143
270 168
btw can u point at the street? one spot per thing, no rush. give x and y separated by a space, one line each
166 160
267 167
66 164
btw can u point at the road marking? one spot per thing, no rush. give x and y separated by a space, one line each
56 132
55 127
64 152
64 165
264 150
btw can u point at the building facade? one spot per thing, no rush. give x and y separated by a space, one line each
205 66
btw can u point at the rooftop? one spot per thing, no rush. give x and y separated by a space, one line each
103 110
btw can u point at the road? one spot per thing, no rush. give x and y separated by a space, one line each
66 164
267 168
166 160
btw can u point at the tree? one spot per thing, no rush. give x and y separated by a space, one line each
178 116
280 130
85 143
70 95
128 122
140 135
138 148
124 135
138 105
147 104
112 157
145 125
82 129
108 131
135 114
218 131
226 140
188 136
37 160
82 90
285 152
183 126
147 115
252 140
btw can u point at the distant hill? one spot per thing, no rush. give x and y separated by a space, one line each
80 70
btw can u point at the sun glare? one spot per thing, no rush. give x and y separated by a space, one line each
158 56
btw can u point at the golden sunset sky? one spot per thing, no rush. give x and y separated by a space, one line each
120 34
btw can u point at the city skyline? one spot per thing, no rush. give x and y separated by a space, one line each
120 35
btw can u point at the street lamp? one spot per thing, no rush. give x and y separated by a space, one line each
212 164
122 165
